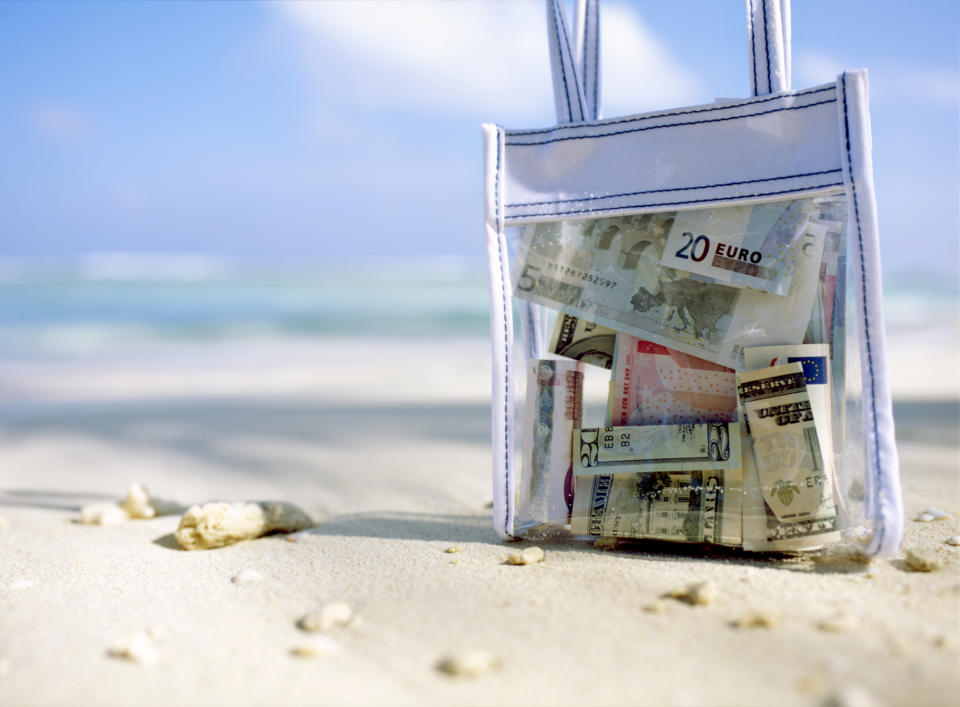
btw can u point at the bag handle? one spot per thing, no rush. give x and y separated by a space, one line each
768 38
576 73
568 88
587 46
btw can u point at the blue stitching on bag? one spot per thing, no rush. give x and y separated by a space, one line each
566 40
753 45
506 344
563 72
636 119
671 125
766 44
674 203
866 319
596 60
657 191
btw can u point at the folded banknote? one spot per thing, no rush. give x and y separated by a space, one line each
783 458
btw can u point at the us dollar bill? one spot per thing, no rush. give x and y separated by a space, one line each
583 340
554 407
696 506
784 460
608 271
702 446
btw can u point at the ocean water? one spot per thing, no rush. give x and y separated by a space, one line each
108 303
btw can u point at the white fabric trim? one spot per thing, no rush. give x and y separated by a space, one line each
501 327
773 146
884 502
768 38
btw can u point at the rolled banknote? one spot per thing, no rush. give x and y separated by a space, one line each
654 384
696 506
607 450
747 246
554 404
608 271
787 463
583 340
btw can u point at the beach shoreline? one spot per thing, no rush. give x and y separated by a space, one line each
386 444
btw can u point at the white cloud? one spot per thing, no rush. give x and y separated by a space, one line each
484 59
638 71
59 123
888 82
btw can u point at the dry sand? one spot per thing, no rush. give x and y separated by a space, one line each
388 448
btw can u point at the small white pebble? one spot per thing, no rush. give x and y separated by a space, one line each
247 576
297 537
453 549
103 514
757 619
469 664
920 560
838 623
923 518
315 647
336 613
953 540
528 556
937 514
137 648
697 594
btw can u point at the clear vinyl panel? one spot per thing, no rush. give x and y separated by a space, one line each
686 376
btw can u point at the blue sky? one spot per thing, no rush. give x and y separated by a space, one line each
326 130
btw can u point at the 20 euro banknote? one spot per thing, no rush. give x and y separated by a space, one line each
608 271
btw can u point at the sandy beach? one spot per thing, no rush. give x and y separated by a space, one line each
385 443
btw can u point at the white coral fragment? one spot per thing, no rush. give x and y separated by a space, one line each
103 514
220 524
137 502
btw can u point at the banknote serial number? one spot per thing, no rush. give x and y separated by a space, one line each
578 274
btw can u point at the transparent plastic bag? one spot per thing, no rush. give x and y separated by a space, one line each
599 294
689 347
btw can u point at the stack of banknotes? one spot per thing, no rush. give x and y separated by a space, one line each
723 333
